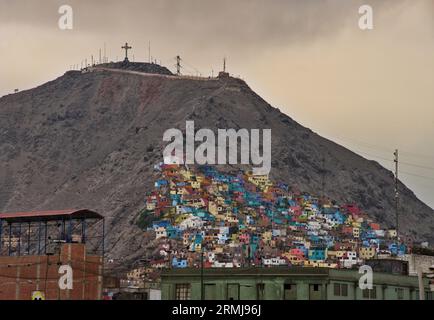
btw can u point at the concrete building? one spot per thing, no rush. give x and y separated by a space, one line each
283 283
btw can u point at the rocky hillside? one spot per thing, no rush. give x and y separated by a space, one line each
91 140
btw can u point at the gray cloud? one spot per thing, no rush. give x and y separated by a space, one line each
307 56
219 23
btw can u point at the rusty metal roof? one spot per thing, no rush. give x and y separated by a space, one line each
50 215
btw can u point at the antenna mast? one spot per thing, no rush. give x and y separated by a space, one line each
149 52
178 65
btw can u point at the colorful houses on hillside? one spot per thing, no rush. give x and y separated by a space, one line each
235 220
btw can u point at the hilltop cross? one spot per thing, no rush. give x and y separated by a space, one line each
126 47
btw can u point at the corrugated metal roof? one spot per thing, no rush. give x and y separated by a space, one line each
49 215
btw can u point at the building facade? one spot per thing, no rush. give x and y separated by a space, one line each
295 283
51 255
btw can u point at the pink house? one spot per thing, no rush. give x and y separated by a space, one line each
297 252
244 238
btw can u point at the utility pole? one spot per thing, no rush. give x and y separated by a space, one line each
202 296
224 64
396 192
323 179
105 56
100 55
178 65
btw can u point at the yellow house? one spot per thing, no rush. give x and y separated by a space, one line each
150 205
198 247
293 259
181 218
212 208
339 253
218 249
220 200
223 187
195 184
260 181
266 236
186 174
308 263
327 265
367 253
231 219
356 224
391 233
356 232
220 217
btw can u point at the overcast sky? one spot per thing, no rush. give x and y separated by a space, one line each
372 91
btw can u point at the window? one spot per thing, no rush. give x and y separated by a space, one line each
210 291
316 287
182 291
337 289
399 293
365 293
233 291
344 290
289 291
370 293
341 289
373 292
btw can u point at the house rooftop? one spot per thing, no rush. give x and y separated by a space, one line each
50 215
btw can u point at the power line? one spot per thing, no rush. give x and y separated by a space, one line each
417 175
386 159
368 145
418 165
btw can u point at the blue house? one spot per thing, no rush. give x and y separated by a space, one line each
181 263
316 254
173 232
160 183
339 217
161 223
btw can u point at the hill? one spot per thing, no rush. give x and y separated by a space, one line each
91 140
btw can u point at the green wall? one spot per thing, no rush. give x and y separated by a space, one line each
223 284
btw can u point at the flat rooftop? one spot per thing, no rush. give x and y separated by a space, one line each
50 215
